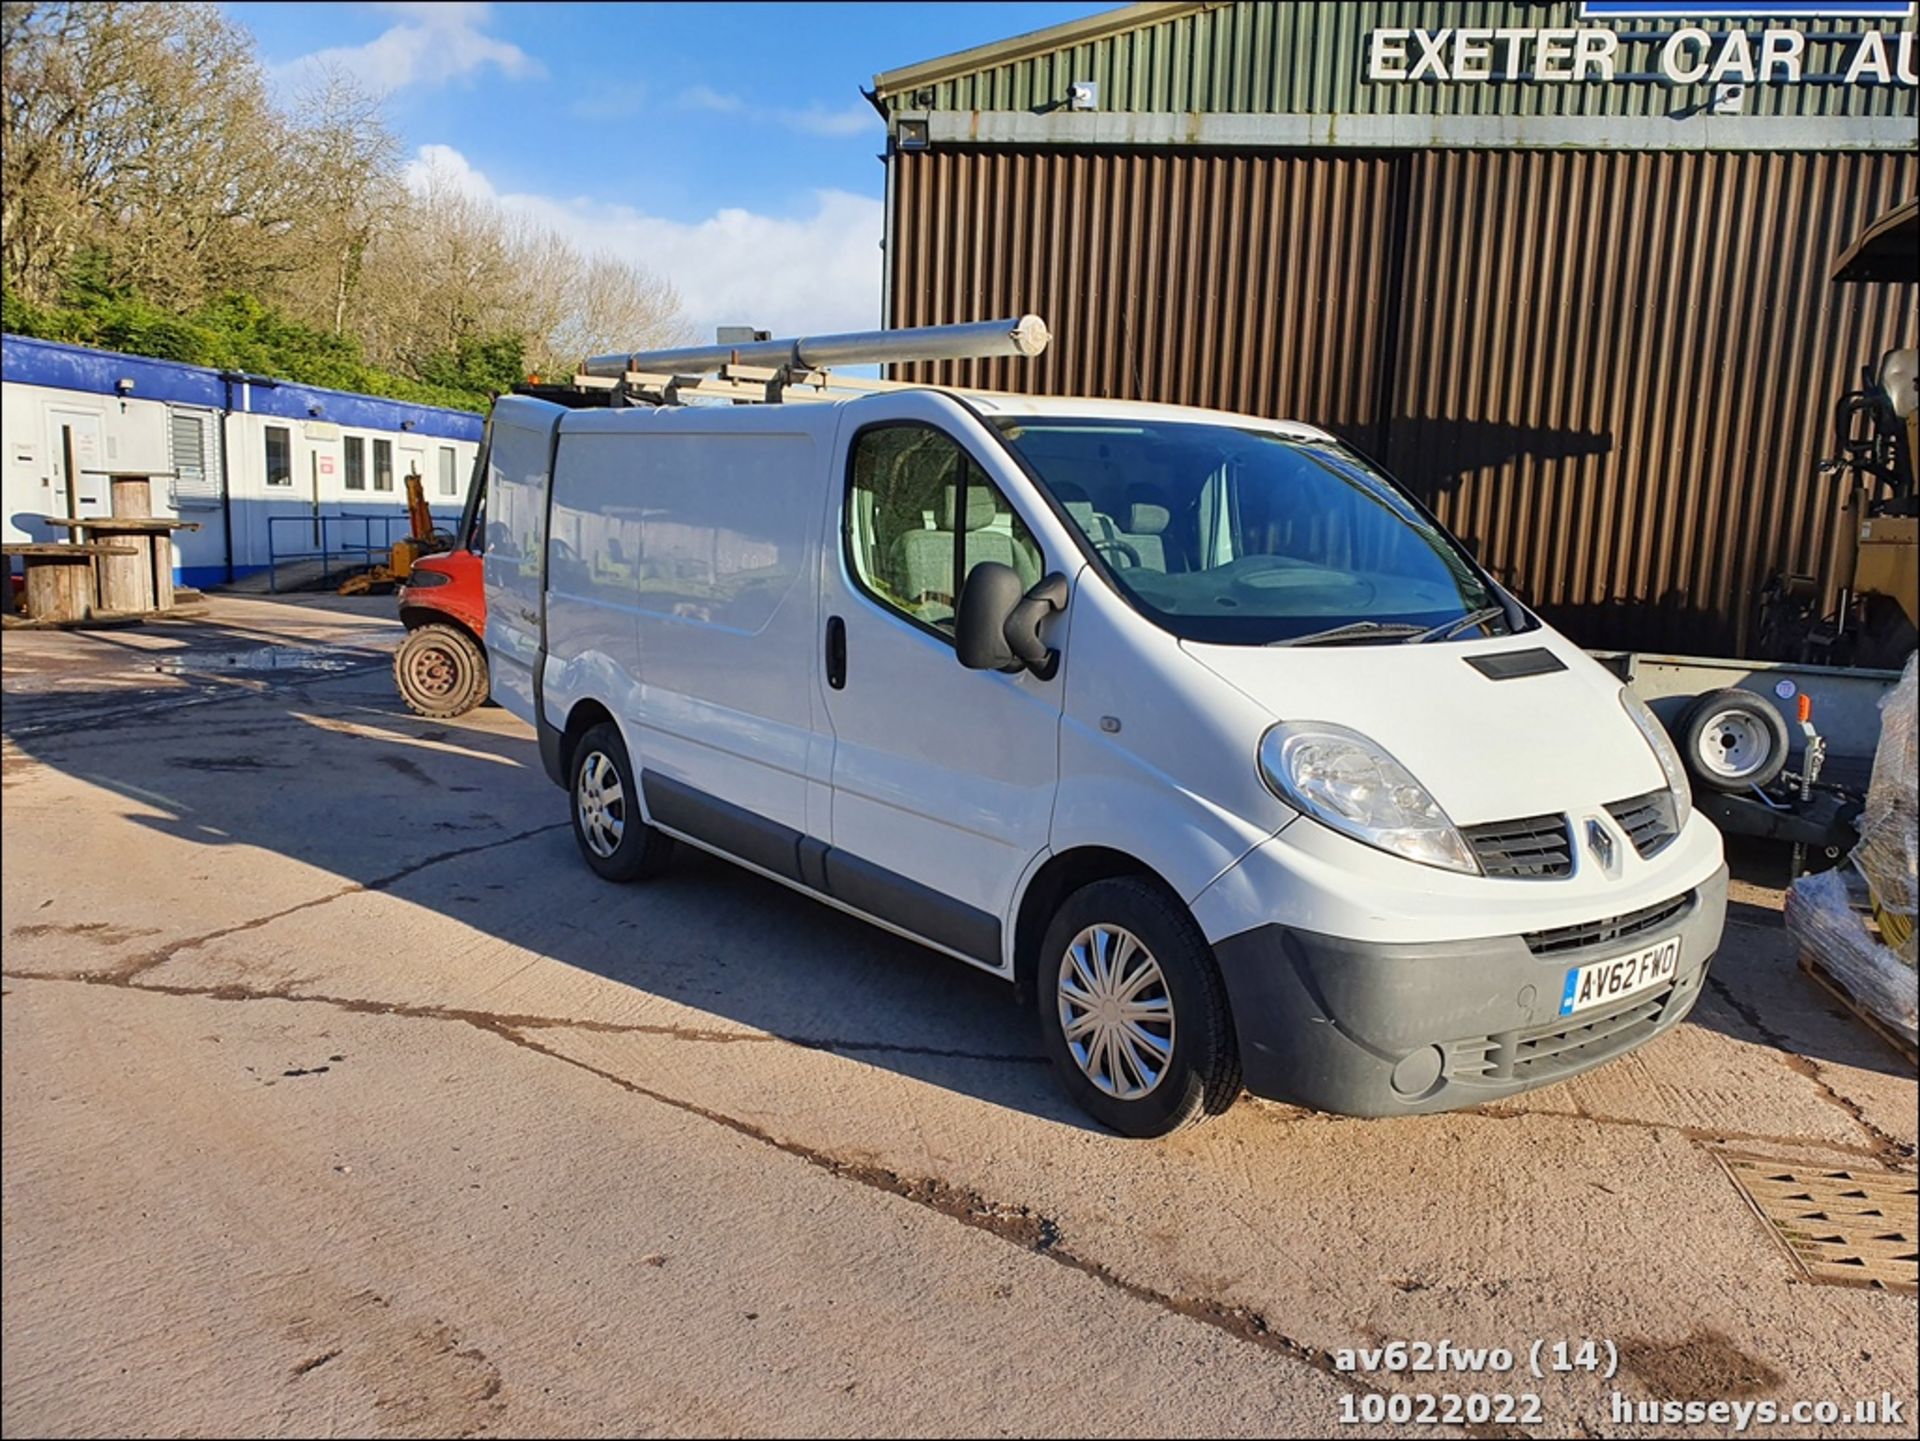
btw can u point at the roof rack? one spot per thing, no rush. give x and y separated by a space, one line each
775 371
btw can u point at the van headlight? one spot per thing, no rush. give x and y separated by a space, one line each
1344 780
1670 764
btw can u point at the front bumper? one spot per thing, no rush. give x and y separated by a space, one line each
1370 1028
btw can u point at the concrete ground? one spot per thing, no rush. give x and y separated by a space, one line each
341 1098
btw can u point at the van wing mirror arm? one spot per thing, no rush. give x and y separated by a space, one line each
1022 629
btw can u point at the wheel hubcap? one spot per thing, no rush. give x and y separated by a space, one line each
432 671
602 804
1115 1011
1734 745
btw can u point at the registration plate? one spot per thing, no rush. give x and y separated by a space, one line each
1603 981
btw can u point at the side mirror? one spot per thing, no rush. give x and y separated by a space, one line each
996 627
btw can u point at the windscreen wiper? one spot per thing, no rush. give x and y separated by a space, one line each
1354 630
1454 627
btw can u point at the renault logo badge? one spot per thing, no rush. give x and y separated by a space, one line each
1600 842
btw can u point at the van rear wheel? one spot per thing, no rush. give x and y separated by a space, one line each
440 672
613 840
1133 1013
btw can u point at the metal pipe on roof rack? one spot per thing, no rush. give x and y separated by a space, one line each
1024 335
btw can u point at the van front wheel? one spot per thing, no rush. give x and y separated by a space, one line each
1133 1013
613 840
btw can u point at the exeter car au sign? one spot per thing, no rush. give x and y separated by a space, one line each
1684 54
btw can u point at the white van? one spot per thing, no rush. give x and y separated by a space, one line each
1191 724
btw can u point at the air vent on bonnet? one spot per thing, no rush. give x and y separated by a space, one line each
1513 664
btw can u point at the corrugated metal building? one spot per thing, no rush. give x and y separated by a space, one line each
1563 267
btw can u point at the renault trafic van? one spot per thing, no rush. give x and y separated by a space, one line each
1193 725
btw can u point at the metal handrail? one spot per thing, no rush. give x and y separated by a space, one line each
363 550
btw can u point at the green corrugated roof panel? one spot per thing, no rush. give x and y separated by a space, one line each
1311 58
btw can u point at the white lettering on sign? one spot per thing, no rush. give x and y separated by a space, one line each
1387 55
1690 38
1433 58
1511 42
1735 62
1471 50
1783 49
1551 49
1591 55
1870 60
1593 51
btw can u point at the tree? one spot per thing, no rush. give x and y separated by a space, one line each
144 134
349 163
154 199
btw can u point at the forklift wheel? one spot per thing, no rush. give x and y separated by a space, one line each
1732 741
440 671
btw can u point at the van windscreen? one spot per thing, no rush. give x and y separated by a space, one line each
1249 537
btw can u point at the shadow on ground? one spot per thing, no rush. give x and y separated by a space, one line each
319 763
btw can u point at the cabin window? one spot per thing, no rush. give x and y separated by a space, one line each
194 448
449 485
383 465
279 455
921 514
356 477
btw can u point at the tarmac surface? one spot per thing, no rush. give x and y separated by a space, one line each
340 1098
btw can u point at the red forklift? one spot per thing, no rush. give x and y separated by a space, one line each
441 666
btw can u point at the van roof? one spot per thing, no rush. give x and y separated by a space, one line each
743 394
1087 408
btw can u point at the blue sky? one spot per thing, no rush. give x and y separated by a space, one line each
726 145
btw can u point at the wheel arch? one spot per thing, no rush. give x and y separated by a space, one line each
1058 877
414 617
583 717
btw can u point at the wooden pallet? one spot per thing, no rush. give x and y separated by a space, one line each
1832 985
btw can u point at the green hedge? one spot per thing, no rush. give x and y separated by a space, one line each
240 332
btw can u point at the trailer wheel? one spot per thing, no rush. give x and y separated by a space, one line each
440 671
1732 741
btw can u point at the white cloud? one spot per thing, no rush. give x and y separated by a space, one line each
705 97
854 119
815 273
815 119
435 43
611 102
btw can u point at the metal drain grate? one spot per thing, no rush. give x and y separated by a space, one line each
1844 1225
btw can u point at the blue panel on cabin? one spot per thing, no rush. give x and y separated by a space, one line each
26 361
99 372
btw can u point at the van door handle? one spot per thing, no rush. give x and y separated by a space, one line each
836 652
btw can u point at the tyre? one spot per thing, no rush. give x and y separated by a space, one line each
1731 740
605 792
441 671
1133 1013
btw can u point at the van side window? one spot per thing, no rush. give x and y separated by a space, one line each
909 532
279 455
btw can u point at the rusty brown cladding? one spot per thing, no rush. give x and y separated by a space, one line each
1612 371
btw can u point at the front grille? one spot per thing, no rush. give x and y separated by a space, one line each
1613 928
1561 1046
1536 847
1648 820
